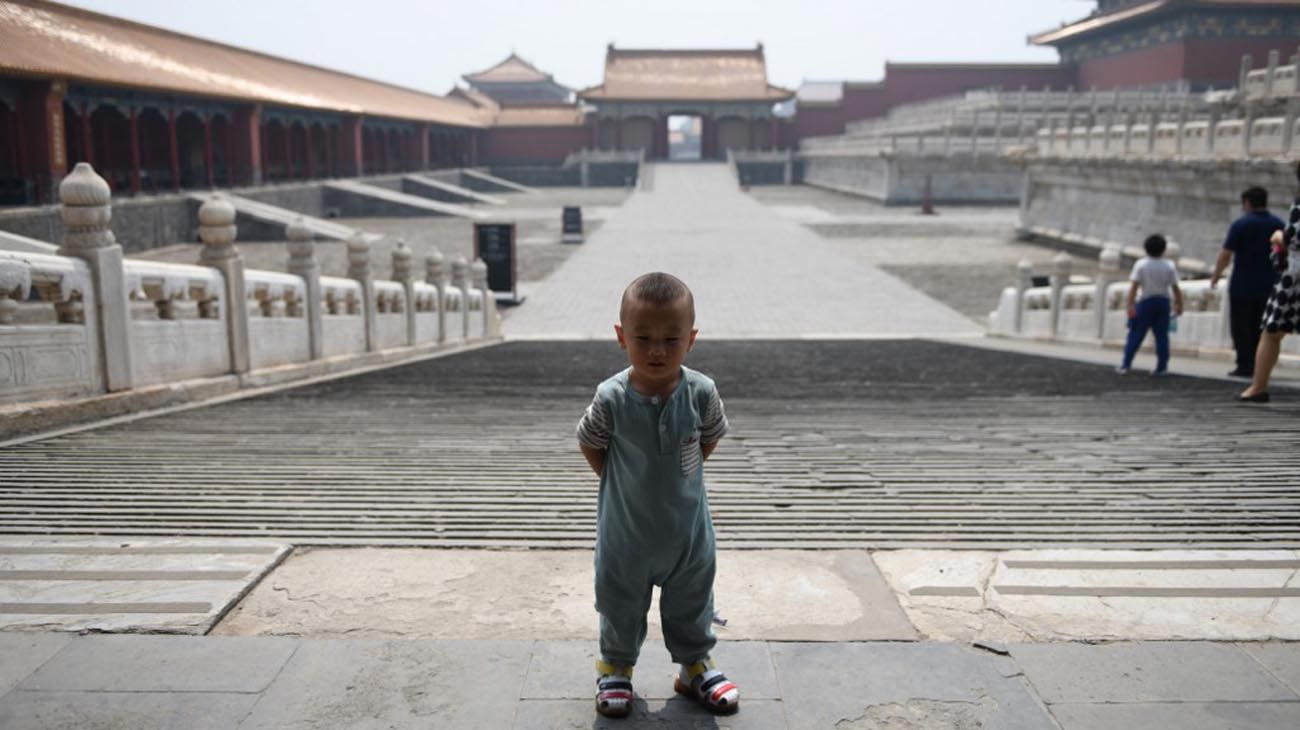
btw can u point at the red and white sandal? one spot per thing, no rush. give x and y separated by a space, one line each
614 689
711 687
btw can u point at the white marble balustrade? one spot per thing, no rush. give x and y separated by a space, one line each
85 319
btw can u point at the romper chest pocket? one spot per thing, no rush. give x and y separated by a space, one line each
690 455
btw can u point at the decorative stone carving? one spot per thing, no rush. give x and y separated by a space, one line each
1024 280
358 258
87 212
217 229
433 275
402 262
359 270
15 286
302 261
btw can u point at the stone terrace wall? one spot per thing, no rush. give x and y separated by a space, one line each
1090 202
902 179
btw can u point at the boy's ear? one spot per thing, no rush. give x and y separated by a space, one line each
618 330
691 342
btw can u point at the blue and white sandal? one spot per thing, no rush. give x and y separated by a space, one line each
614 689
710 687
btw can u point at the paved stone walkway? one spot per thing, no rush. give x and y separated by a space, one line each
754 273
189 683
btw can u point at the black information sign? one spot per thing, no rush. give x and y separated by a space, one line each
571 221
495 244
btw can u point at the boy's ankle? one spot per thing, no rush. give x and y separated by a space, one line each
606 668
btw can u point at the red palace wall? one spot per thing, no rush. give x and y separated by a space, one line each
864 102
906 83
532 144
1217 61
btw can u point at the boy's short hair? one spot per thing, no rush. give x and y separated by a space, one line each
1155 245
659 289
1256 197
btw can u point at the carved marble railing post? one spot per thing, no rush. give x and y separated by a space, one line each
217 231
359 270
402 275
1108 265
460 280
490 321
1024 280
433 276
87 214
1060 279
1244 76
302 261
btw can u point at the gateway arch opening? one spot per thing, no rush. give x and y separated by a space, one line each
685 137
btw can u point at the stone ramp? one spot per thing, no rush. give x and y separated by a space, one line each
499 181
157 585
456 190
268 213
847 444
754 272
436 207
14 242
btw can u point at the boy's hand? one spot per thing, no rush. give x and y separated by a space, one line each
1132 311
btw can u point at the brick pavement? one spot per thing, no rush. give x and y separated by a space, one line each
754 272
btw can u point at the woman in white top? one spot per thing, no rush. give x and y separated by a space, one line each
1157 278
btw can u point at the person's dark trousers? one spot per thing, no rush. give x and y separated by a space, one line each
1245 314
1152 314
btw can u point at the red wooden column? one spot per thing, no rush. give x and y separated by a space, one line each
38 112
207 150
595 131
133 122
230 153
246 145
173 149
473 148
88 149
422 145
351 148
331 141
311 154
287 146
773 132
618 134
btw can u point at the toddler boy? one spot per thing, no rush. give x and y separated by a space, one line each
646 434
1157 278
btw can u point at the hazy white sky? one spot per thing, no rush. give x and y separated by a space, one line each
428 44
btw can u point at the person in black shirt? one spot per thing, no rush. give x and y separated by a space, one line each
1247 248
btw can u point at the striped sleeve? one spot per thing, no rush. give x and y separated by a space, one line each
593 427
714 425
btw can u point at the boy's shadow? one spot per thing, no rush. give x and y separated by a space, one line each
677 712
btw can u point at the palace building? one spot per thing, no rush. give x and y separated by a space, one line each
154 110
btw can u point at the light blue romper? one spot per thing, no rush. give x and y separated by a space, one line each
652 514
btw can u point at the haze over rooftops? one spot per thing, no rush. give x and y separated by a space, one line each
48 40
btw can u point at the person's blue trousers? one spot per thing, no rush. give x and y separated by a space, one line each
1152 314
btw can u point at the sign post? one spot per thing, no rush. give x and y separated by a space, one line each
495 244
571 221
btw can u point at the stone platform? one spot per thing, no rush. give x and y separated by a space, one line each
190 683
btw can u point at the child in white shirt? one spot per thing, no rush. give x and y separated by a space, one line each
1157 279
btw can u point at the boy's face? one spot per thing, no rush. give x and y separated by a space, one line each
656 338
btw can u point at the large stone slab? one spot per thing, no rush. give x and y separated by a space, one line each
1281 659
678 712
22 654
1179 716
23 710
566 670
1054 595
383 684
127 585
163 664
1147 672
903 686
525 595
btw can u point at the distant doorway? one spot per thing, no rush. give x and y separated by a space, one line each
685 137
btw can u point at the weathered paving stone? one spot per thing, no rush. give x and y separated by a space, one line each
124 663
21 654
22 710
566 670
1179 715
902 686
1281 659
678 712
1147 672
382 684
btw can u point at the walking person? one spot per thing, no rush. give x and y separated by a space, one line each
1156 278
1282 312
1246 247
